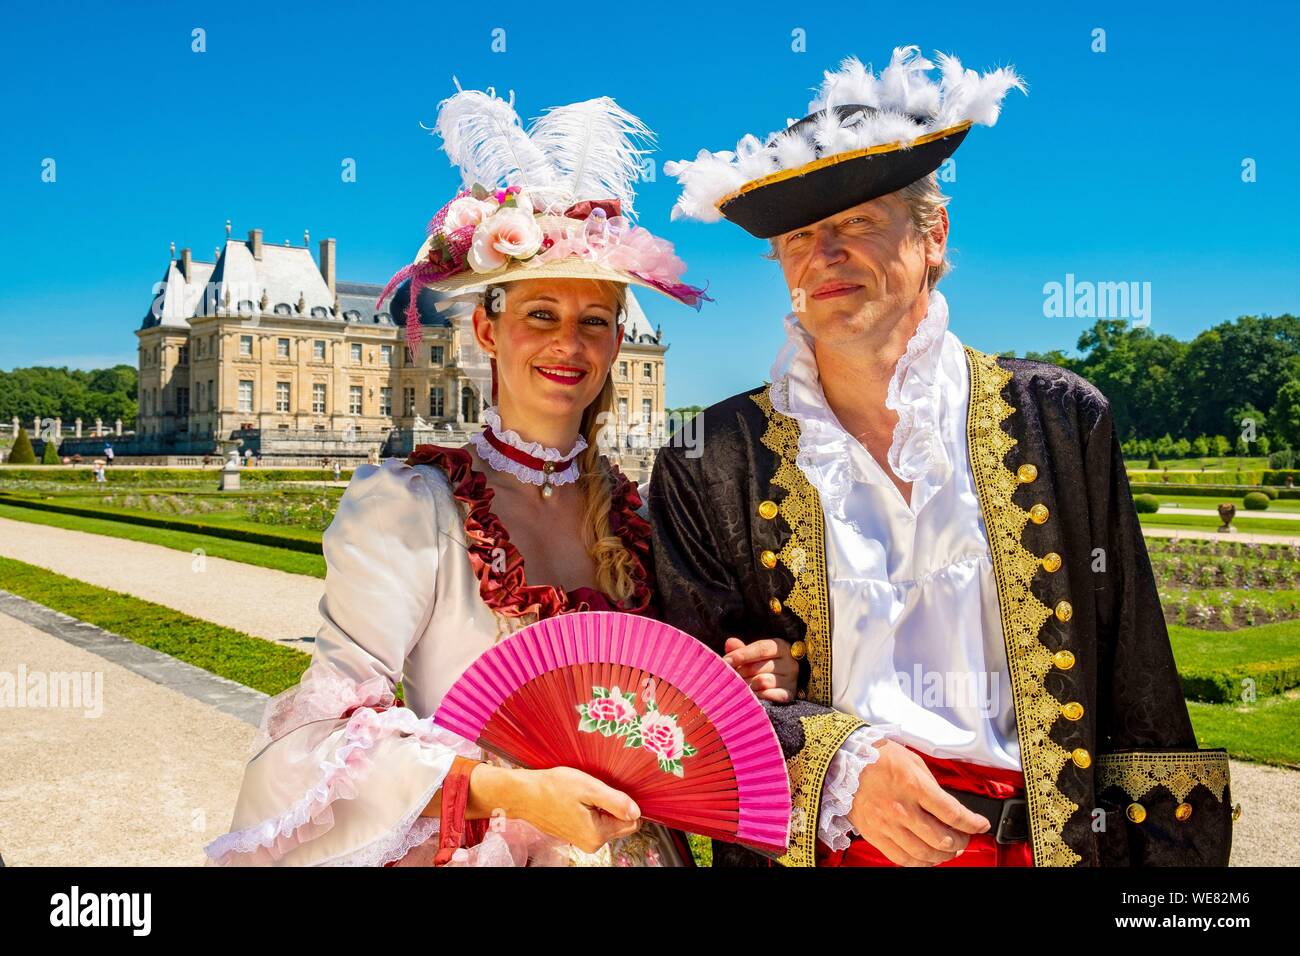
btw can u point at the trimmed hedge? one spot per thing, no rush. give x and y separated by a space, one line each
1146 504
1276 477
1209 491
1223 685
82 473
1255 501
172 524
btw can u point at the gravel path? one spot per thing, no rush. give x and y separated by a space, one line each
148 781
1211 513
1241 537
263 602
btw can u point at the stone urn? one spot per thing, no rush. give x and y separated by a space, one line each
1227 512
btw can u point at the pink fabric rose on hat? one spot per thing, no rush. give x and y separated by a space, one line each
510 232
466 211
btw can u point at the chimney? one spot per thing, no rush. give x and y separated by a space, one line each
185 263
255 243
327 263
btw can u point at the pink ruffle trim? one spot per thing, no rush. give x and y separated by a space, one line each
312 815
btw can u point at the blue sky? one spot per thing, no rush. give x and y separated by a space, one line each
1122 166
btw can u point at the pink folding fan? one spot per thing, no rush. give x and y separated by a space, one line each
640 705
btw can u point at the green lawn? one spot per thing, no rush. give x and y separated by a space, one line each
223 651
1290 506
1212 523
1199 650
1265 731
1196 464
265 556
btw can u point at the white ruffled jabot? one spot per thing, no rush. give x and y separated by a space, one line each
914 393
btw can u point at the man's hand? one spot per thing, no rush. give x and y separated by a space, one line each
767 665
901 811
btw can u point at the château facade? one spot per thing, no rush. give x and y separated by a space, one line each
267 344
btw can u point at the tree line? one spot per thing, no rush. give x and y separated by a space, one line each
45 392
1236 383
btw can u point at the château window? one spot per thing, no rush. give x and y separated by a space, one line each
282 396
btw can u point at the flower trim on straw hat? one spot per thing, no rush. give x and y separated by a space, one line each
536 202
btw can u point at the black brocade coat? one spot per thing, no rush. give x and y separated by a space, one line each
1112 769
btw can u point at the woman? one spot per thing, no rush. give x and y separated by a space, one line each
433 560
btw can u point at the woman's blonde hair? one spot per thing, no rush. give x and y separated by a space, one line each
614 563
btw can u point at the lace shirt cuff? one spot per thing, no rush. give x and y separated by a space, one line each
841 782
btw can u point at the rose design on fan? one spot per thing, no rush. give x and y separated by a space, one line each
662 737
608 713
612 713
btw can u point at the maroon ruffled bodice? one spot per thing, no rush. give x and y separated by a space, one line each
508 592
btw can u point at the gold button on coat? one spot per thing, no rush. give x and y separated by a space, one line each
1072 711
1063 659
1038 513
1026 473
1081 758
1236 811
1051 562
768 558
767 509
798 650
1064 611
1184 811
1136 812
775 605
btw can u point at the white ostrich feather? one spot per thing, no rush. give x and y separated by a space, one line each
595 149
968 96
791 150
483 136
704 180
903 90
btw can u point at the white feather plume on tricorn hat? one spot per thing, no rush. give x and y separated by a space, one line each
865 136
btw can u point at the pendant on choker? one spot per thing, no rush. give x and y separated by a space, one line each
504 454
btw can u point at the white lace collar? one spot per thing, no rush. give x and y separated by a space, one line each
915 392
530 476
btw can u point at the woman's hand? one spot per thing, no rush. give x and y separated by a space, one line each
767 665
573 806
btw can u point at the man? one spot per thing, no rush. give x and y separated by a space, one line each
937 548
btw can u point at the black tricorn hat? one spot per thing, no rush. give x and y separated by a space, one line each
865 136
790 198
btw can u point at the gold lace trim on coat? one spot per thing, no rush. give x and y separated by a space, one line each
823 735
1139 772
804 554
1023 614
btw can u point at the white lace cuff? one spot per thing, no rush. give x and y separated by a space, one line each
841 782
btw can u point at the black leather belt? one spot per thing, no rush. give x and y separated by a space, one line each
1008 818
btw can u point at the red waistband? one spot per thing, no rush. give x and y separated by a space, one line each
974 778
983 849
